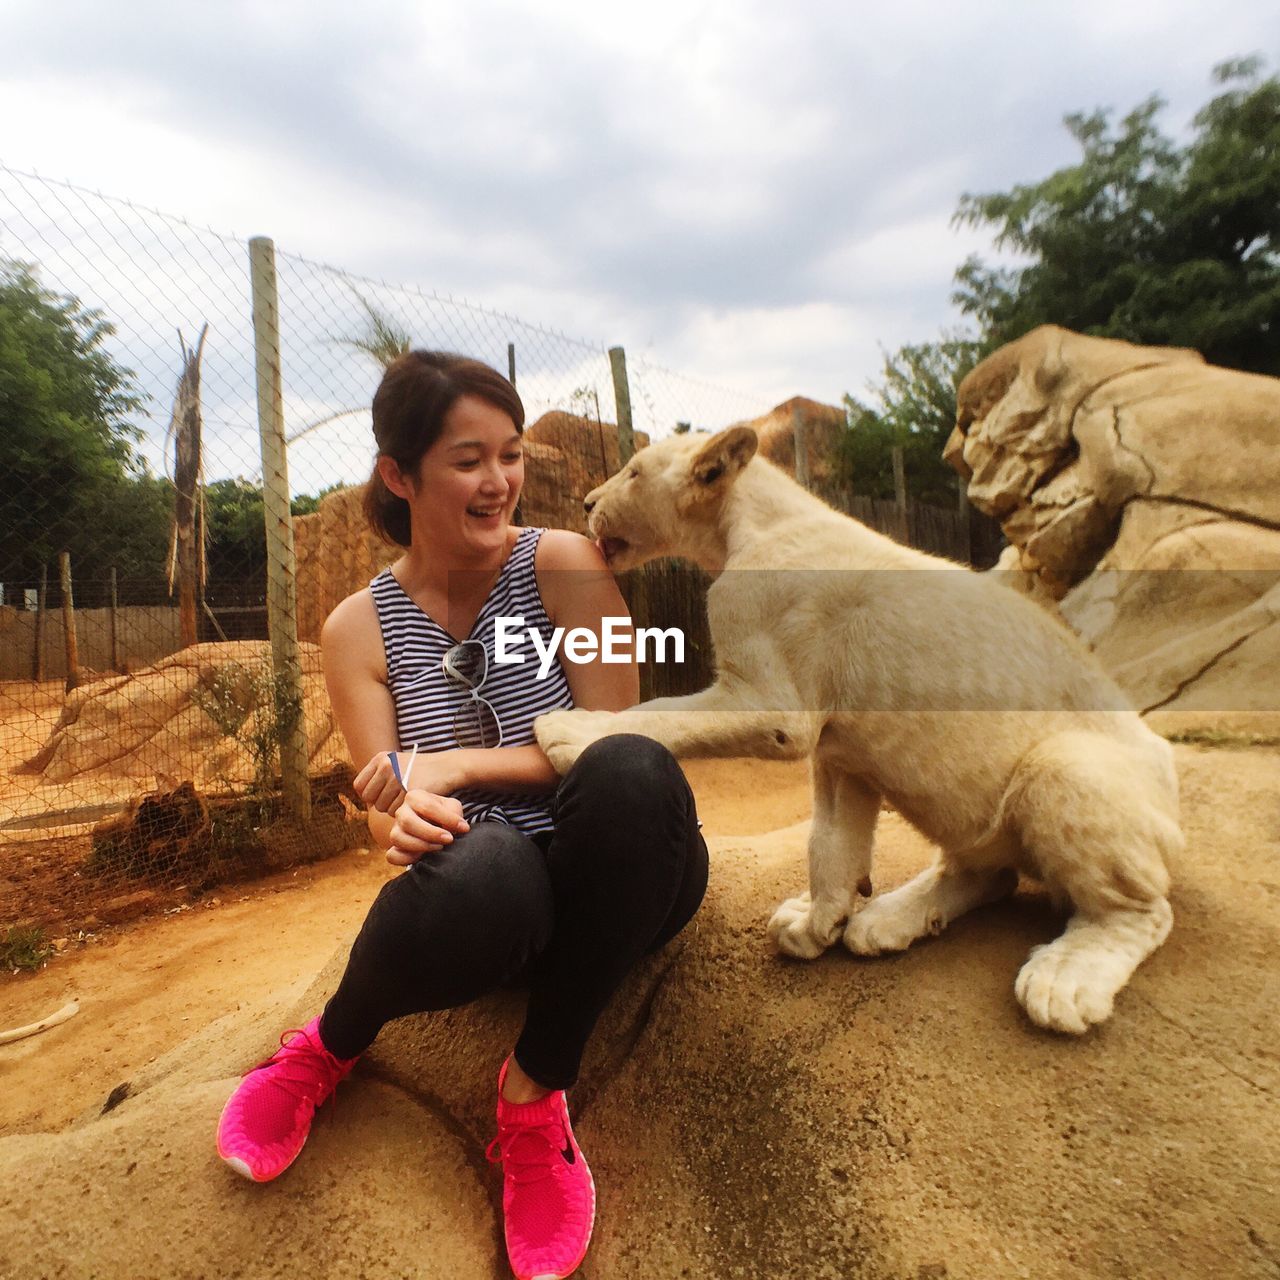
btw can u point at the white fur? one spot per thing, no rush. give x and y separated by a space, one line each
913 681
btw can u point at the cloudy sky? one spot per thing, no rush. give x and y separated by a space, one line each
755 194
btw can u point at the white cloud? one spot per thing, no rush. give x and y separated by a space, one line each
754 195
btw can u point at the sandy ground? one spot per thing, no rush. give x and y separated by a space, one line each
917 1128
145 986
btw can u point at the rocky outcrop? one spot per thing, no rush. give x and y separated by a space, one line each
336 553
187 718
823 427
748 1116
1140 490
568 456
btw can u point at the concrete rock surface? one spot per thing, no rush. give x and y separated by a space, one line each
748 1116
150 725
1140 490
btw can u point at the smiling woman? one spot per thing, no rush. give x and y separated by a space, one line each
511 875
410 411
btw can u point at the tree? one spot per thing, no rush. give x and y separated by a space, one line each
126 528
237 537
236 529
307 504
186 428
70 475
915 407
1144 240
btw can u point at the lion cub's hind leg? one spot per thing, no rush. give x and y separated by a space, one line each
841 846
1098 822
925 905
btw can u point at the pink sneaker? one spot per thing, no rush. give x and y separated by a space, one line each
548 1197
266 1121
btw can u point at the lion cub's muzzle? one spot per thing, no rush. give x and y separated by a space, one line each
611 546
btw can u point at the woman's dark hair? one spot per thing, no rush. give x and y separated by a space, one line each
409 408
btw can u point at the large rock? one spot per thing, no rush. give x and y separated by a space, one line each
1140 490
156 723
748 1116
566 456
823 427
336 553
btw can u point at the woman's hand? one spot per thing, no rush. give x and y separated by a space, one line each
425 823
377 786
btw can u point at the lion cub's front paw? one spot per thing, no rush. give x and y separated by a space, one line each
887 924
565 735
805 929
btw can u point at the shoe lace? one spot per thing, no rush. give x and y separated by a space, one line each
528 1153
303 1069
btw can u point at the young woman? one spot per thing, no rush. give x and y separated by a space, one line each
511 872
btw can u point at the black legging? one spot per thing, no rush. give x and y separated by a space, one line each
623 872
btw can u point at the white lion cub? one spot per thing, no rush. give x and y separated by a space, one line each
909 680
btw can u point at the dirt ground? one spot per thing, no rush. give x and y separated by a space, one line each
1140 1150
45 827
146 985
47 873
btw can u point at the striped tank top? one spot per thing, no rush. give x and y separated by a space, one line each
427 703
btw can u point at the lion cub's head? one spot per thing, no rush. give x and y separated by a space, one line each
667 500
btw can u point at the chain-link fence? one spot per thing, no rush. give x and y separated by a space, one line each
163 720
142 715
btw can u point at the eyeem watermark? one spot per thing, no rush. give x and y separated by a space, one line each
618 641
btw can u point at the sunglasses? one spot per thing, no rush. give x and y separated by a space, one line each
476 723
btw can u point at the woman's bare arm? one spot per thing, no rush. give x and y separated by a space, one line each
356 678
579 591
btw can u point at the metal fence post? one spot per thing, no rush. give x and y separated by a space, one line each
282 594
511 363
622 398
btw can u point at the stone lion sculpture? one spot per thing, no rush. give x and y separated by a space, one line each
1140 490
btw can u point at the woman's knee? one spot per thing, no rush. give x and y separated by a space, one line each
457 924
492 872
628 770
490 881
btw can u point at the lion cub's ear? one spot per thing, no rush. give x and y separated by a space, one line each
718 462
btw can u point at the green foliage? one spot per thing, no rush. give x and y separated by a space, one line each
23 947
236 532
237 547
255 708
914 406
307 504
70 475
1142 239
127 523
1145 240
